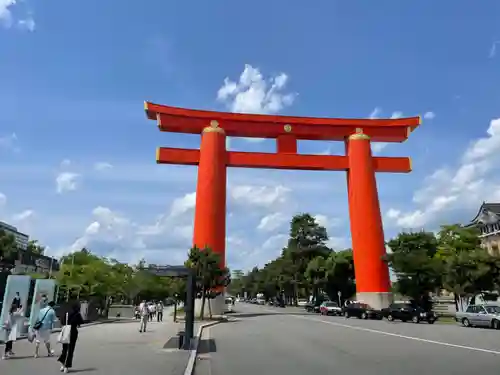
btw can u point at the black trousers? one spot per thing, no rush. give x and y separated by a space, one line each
68 350
159 315
8 347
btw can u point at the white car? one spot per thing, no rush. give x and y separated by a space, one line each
330 308
302 302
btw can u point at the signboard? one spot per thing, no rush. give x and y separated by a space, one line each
169 271
44 293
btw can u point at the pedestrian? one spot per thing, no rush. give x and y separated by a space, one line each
144 311
150 309
11 329
43 327
74 320
17 300
159 311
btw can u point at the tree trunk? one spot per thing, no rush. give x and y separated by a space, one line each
203 299
210 308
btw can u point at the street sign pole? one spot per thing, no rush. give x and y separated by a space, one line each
339 293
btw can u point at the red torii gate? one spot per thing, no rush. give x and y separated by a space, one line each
372 274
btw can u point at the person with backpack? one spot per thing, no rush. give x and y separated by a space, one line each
43 328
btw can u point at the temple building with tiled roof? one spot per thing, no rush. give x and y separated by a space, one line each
487 221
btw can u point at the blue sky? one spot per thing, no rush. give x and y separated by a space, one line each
77 154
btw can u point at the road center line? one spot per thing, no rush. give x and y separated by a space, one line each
471 348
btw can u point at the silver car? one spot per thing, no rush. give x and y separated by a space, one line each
480 316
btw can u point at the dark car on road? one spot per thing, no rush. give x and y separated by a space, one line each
362 311
408 311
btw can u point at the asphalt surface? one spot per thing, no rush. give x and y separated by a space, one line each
267 340
108 349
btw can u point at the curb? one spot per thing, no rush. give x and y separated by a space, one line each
195 346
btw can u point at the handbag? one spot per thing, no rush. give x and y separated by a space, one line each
38 324
65 333
31 335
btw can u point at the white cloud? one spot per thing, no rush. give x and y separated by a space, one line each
377 111
493 49
265 196
271 222
27 24
24 215
327 222
465 187
254 94
67 181
182 205
3 199
102 166
429 115
397 114
7 16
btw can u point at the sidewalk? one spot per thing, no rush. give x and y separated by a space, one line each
109 349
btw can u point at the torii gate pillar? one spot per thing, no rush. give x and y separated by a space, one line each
210 211
372 275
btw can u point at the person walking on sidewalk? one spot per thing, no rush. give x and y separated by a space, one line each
159 311
43 327
144 311
11 329
74 320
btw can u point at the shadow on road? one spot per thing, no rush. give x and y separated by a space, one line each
207 346
81 370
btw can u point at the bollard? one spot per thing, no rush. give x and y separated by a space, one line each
181 335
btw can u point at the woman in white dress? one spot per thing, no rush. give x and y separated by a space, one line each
11 329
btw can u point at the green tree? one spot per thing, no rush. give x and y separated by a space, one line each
317 274
209 274
468 269
414 260
8 249
236 286
35 248
340 275
307 240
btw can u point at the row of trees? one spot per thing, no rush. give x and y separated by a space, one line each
84 275
424 263
306 266
452 260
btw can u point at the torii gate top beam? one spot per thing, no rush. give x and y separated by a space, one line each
181 120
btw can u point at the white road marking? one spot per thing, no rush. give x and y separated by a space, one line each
471 348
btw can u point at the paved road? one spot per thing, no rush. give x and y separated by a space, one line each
109 349
265 340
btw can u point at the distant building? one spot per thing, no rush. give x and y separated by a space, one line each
27 262
21 238
487 221
35 263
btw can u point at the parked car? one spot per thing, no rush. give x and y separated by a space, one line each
408 311
362 311
301 302
330 308
314 306
480 316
